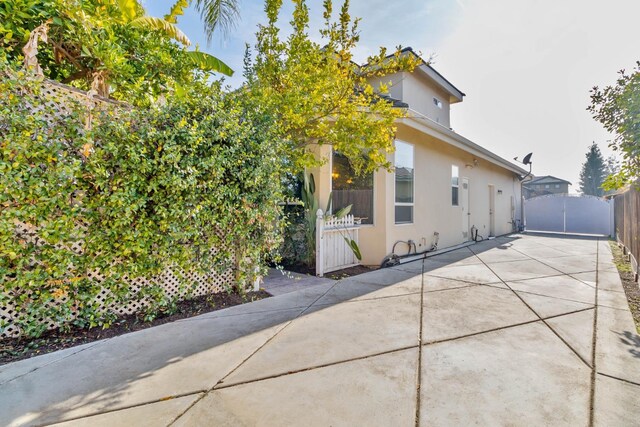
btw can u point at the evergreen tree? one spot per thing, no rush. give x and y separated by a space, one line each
594 172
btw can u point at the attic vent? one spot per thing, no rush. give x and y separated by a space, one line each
437 102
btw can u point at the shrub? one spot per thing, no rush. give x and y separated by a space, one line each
143 189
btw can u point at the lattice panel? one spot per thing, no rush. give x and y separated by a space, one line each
200 284
53 95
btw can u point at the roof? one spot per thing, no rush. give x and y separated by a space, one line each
455 94
547 179
430 127
394 102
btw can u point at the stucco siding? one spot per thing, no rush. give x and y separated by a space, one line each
433 210
418 91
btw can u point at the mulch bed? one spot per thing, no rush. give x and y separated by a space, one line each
631 287
13 349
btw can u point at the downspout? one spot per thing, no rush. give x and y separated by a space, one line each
522 182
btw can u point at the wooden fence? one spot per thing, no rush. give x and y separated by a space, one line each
361 202
627 220
332 250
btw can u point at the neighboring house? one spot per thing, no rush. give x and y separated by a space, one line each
543 185
443 183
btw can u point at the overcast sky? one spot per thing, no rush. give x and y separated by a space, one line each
526 66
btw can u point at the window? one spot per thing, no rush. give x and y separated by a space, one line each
404 183
351 189
455 183
437 102
546 186
557 186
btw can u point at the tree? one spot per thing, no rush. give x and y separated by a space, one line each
217 14
593 173
612 165
316 94
617 107
110 46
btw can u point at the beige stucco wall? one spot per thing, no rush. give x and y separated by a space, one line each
433 210
418 91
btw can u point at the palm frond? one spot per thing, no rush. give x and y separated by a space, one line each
176 10
218 14
207 62
159 24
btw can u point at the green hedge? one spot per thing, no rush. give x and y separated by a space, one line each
142 190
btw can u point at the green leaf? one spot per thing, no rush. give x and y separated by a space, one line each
343 212
218 15
329 202
354 248
158 24
128 8
210 63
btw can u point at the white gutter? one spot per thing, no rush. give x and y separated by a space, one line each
425 125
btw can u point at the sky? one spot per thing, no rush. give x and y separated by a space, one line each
526 66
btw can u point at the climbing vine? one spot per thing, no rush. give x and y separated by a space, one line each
140 190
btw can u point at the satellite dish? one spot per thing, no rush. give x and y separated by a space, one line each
527 159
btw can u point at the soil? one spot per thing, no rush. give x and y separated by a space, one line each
13 349
298 268
351 271
631 287
335 275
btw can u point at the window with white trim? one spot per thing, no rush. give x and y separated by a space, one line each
404 176
455 184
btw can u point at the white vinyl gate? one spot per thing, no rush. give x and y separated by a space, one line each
572 214
332 250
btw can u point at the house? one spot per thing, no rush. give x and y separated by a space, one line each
443 183
543 185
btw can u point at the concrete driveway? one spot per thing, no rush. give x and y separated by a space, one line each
500 333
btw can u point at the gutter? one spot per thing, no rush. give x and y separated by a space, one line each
523 216
424 124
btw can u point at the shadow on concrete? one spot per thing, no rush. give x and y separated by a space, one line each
179 358
632 340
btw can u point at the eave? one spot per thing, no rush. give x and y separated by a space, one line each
436 130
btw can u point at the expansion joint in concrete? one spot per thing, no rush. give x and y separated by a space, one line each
592 394
419 373
250 356
540 318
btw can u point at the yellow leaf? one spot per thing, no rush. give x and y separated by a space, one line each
87 149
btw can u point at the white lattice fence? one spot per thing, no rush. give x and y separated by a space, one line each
55 96
194 284
332 250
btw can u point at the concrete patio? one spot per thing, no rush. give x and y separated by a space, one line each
521 330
